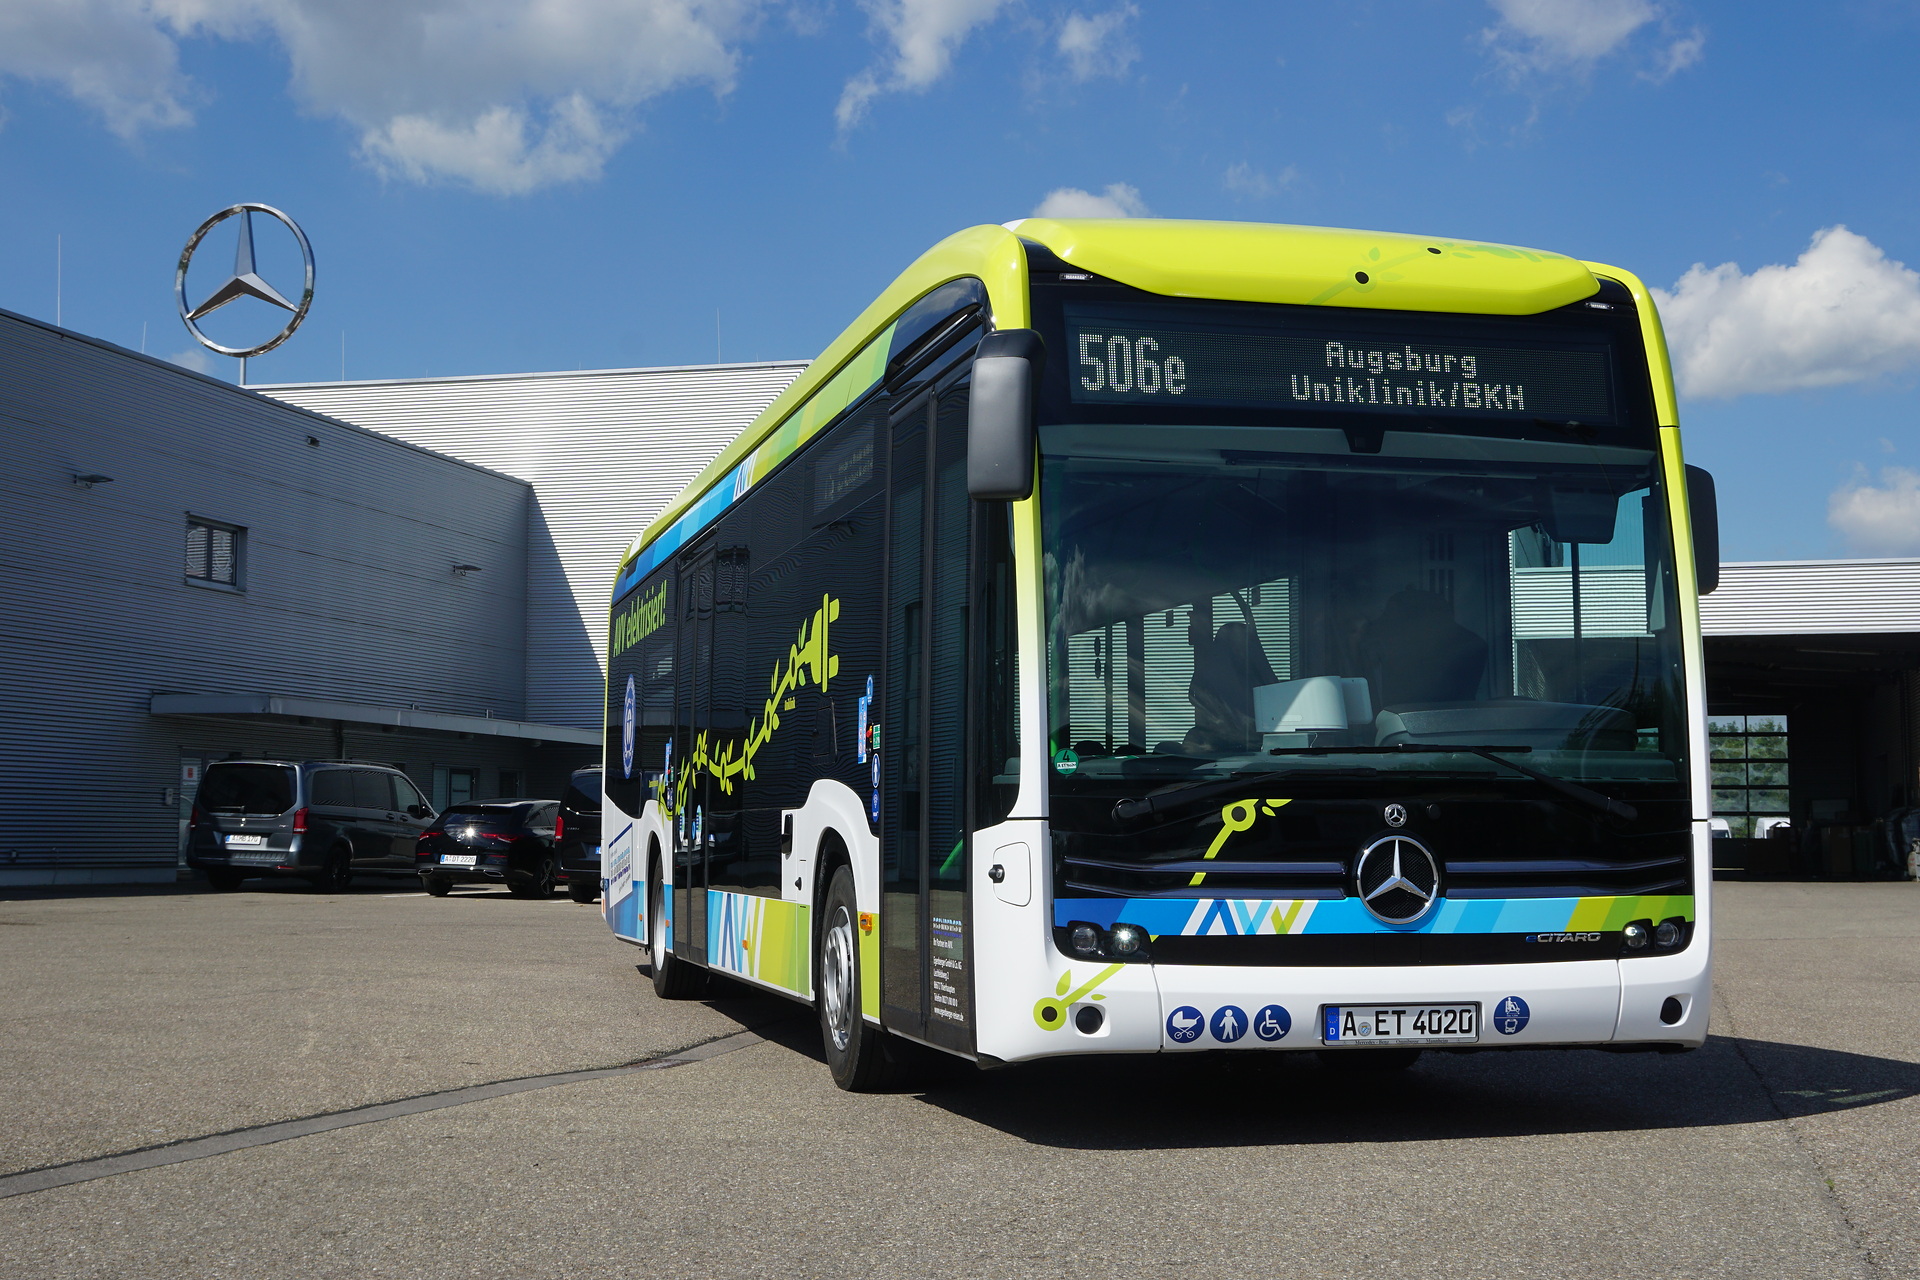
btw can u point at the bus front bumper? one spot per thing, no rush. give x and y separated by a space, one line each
1654 1001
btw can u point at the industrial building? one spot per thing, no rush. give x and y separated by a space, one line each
200 571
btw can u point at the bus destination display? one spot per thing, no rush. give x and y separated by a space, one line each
1120 358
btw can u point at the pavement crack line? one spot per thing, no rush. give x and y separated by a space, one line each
1836 1203
48 1177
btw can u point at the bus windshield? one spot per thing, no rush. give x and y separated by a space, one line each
1248 582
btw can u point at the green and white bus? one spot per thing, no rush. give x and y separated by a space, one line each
1142 636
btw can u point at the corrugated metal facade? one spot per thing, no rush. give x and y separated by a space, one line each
604 451
1806 597
347 592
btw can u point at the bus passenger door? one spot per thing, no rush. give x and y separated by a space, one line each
693 718
924 918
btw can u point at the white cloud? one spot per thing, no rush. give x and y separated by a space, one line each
1681 54
1119 201
194 358
114 56
1843 313
1097 44
1545 35
1245 180
493 151
1879 519
503 95
1539 37
924 35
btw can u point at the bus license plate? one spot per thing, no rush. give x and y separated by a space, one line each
1399 1024
459 859
247 841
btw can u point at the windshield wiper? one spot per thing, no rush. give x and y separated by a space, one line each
1497 754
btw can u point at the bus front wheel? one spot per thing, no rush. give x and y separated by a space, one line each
856 1052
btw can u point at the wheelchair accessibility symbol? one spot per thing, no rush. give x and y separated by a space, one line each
1272 1023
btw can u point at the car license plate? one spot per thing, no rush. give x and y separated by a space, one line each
253 841
459 859
1359 1024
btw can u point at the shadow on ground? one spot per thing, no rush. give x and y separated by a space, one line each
1153 1102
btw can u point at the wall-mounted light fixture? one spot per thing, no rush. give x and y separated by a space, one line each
462 570
87 482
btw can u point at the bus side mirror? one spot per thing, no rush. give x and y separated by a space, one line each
1000 435
1704 512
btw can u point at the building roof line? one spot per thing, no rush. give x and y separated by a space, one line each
251 389
1860 560
742 366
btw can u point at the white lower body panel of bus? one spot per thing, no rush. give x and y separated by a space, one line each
1147 1008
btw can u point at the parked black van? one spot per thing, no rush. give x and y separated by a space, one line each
577 835
325 820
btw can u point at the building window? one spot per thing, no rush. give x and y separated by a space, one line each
1749 772
454 786
214 552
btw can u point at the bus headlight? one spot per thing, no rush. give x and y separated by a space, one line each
1084 939
1126 939
1668 933
1637 935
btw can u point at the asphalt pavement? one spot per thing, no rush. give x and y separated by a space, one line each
288 1083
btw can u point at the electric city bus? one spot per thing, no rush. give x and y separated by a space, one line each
1140 636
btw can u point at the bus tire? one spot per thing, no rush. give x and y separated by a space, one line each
1368 1059
673 978
857 1053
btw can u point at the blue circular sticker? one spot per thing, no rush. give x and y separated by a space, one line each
628 718
1510 1016
1184 1024
1229 1023
1272 1023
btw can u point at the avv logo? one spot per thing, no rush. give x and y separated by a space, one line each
628 718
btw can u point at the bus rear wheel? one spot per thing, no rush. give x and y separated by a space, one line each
673 978
856 1052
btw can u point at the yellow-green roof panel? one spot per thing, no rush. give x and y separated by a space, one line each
1316 266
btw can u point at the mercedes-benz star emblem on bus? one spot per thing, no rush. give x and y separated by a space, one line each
245 282
1397 879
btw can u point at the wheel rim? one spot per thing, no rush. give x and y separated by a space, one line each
836 978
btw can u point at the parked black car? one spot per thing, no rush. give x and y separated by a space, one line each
325 820
491 842
576 834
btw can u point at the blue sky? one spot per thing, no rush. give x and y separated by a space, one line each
505 185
